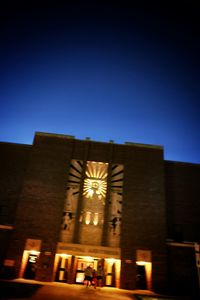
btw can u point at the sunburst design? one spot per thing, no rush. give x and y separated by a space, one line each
95 183
94 186
75 172
96 170
117 175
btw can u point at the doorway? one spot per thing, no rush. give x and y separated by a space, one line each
62 268
82 263
31 266
141 281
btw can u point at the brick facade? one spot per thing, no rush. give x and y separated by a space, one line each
160 207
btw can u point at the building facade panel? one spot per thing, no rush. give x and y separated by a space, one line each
143 214
85 202
183 205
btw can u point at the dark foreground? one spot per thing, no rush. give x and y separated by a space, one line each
26 289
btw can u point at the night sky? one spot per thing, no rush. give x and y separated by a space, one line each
109 70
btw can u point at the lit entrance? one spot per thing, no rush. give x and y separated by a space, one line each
71 269
143 269
71 260
143 275
29 264
82 263
111 268
63 262
141 283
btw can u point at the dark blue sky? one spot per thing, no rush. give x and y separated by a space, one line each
106 71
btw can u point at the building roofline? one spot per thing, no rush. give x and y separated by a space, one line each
174 162
58 135
17 144
144 145
87 139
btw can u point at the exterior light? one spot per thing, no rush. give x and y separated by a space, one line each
141 263
111 260
87 217
63 255
33 252
96 219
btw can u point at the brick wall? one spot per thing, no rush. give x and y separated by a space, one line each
41 203
13 163
183 201
143 213
39 213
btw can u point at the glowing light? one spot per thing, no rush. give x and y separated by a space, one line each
94 186
88 258
96 170
95 183
87 217
25 257
117 272
63 255
33 252
111 260
141 263
96 219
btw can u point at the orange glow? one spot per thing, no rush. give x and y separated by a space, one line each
88 258
79 277
117 272
148 268
96 219
111 260
33 252
148 271
64 255
87 217
109 265
109 280
56 261
141 263
96 180
94 186
25 260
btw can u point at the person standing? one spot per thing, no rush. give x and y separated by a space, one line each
94 279
100 275
88 276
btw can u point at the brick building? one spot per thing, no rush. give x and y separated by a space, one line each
66 203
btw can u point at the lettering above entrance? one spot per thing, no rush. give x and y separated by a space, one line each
100 251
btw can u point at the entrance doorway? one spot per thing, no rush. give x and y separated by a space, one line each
82 263
71 269
143 270
30 269
62 268
141 282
